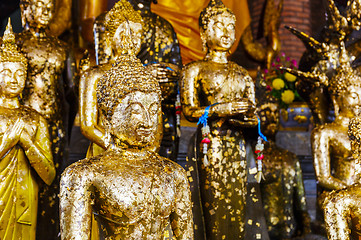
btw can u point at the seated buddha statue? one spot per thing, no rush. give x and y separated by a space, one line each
331 149
282 189
342 207
25 148
132 191
90 123
225 91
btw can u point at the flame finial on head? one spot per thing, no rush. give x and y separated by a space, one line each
9 51
120 12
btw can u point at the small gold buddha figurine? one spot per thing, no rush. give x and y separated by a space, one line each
225 91
342 208
282 190
133 192
90 123
25 148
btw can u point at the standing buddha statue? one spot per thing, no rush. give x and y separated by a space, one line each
90 122
25 148
282 189
159 51
225 91
133 192
342 207
45 90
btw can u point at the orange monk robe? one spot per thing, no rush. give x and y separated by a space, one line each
184 14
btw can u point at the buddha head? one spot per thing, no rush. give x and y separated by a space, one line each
37 13
129 100
268 112
217 27
345 86
13 66
123 28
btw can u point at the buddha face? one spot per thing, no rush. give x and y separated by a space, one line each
269 115
42 11
351 99
12 78
220 33
128 36
137 119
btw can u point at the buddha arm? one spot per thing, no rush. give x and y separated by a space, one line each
182 218
89 107
190 92
256 50
336 208
38 151
320 139
75 204
301 199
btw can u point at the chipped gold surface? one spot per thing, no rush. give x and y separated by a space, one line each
283 193
25 148
132 191
214 80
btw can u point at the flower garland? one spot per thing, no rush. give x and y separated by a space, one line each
258 152
205 133
178 110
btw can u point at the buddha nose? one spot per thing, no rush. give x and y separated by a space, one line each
147 120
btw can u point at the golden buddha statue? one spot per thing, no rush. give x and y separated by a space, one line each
25 148
225 91
342 208
334 165
90 123
132 191
282 190
322 57
160 48
333 162
271 24
45 90
160 52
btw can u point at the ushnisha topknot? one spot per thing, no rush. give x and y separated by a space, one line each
354 129
8 50
120 12
214 7
126 76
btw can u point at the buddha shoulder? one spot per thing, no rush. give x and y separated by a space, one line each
178 172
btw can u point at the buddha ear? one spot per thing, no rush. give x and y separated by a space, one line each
204 40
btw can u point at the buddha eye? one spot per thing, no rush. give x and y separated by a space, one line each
231 27
153 109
